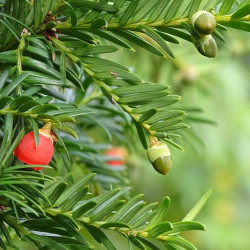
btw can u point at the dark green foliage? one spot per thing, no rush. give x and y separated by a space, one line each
54 68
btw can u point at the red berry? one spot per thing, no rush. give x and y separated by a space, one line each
116 152
27 151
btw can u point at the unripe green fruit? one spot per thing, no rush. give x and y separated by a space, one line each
203 22
209 46
160 157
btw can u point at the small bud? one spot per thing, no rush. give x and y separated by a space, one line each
160 157
203 22
188 74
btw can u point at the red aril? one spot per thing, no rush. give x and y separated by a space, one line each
116 152
27 151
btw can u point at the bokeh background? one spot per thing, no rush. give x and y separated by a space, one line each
220 157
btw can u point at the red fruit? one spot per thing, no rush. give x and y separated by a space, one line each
27 151
116 152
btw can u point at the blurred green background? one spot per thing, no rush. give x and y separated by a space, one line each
221 88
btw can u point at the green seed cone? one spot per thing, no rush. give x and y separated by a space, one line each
160 157
203 22
207 46
163 164
210 48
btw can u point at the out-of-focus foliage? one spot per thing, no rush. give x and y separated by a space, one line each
221 160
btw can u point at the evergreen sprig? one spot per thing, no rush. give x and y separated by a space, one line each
62 211
52 70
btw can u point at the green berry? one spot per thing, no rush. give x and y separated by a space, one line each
160 157
210 48
203 22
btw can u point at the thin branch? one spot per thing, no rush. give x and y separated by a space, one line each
136 26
